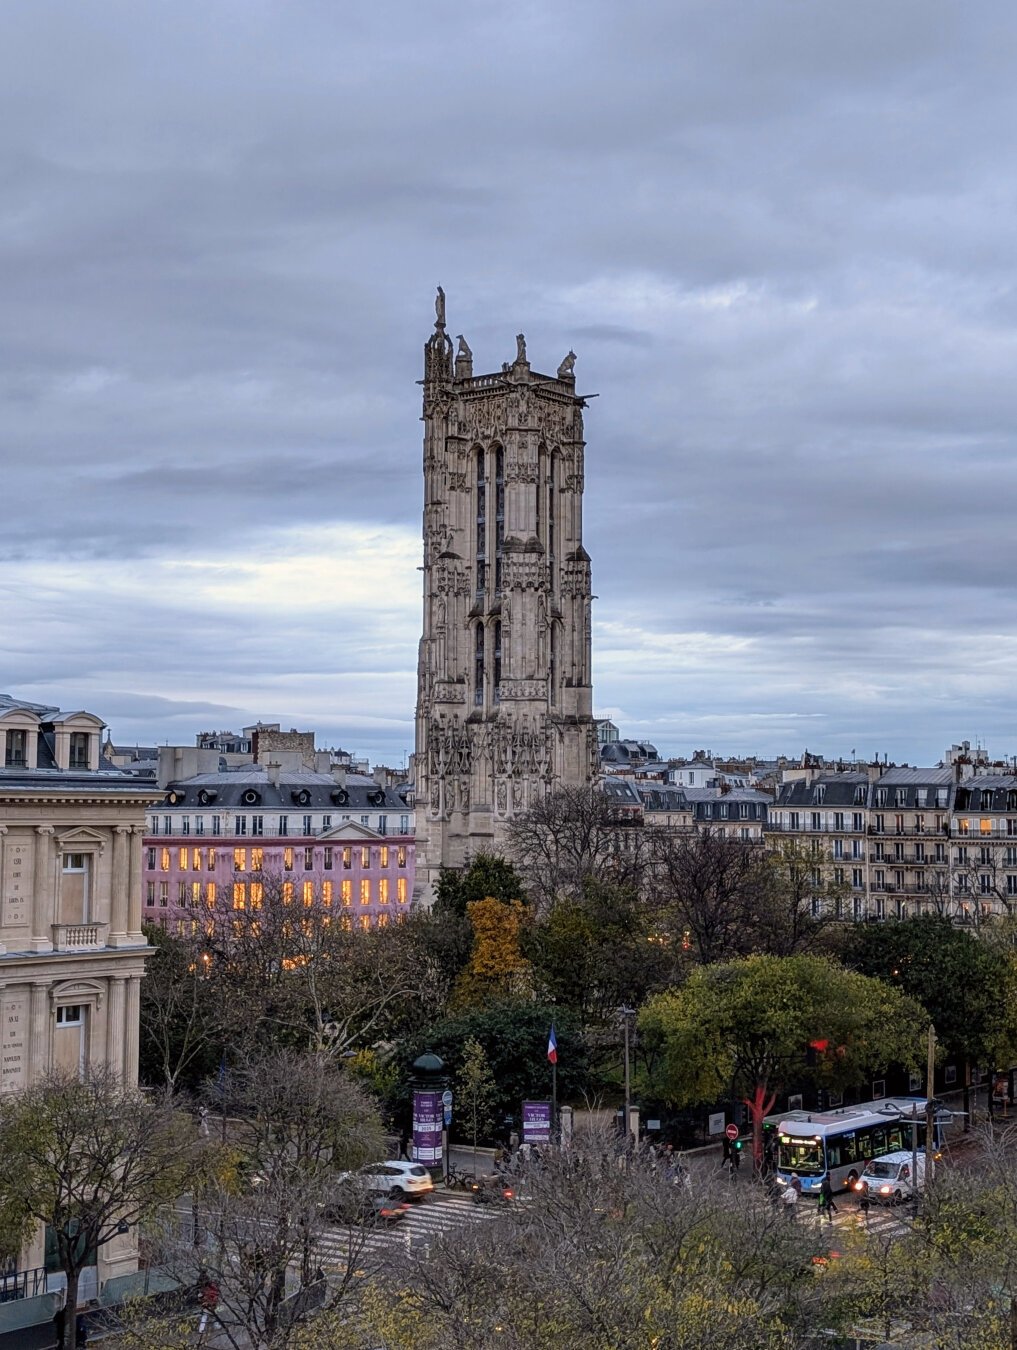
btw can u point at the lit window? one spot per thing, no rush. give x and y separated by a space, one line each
257 859
164 860
401 856
195 893
287 893
210 894
401 890
327 859
347 923
962 826
383 891
365 890
211 859
257 894
383 855
346 892
196 859
240 860
308 893
985 825
239 895
365 922
326 892
365 856
183 858
382 920
288 859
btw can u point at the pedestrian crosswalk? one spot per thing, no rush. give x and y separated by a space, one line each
885 1220
428 1219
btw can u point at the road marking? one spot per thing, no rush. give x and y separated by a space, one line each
426 1222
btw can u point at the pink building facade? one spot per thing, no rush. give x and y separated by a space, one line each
236 842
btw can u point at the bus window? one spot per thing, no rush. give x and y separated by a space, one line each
847 1147
833 1153
804 1156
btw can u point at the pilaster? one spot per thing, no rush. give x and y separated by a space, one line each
40 1031
120 886
43 891
132 1024
115 1028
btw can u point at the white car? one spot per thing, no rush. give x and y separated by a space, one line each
889 1177
407 1180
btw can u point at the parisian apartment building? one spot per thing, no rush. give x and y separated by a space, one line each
72 951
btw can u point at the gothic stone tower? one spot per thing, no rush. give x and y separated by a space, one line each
504 696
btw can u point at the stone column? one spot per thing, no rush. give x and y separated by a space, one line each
132 1030
115 1026
120 886
43 891
3 831
40 1032
134 876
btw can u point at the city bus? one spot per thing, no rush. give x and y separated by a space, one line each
810 1145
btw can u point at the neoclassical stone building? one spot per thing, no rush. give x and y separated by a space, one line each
72 954
504 699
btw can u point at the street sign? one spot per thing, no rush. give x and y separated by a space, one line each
732 1131
448 1115
446 1097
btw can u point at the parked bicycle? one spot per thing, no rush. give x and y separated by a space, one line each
456 1180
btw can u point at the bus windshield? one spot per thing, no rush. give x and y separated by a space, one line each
804 1156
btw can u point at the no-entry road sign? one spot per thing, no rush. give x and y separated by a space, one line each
732 1131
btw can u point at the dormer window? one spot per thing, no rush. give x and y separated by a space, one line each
16 749
79 749
819 794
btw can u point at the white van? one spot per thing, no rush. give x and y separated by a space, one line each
890 1177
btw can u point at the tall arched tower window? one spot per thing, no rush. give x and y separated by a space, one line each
481 522
499 515
552 476
497 659
478 666
552 664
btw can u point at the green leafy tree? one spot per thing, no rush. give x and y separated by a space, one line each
476 1093
966 984
485 876
746 1026
513 1034
593 954
86 1157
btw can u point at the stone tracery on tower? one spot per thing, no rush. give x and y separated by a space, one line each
504 688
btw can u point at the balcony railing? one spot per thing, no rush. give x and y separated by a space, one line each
79 937
22 1284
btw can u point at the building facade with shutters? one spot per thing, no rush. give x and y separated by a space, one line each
72 952
239 839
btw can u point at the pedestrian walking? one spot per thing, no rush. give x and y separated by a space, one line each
827 1205
864 1200
404 1141
789 1198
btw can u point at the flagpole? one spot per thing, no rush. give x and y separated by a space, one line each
554 1101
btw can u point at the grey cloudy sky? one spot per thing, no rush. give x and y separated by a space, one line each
780 235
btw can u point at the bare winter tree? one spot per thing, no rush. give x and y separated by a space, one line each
708 891
573 836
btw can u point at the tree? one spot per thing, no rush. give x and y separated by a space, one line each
745 1028
485 876
707 891
264 1197
476 1093
599 951
513 1034
181 1017
573 836
497 968
801 906
965 984
86 1157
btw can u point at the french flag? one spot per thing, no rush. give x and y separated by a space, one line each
552 1046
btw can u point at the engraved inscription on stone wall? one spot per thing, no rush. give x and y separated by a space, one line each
13 1042
16 883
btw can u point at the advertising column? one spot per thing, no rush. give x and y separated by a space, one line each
427 1126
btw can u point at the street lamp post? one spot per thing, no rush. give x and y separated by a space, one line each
625 1012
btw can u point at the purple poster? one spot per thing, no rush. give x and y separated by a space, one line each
536 1122
427 1119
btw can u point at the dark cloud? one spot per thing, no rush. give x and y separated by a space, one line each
779 236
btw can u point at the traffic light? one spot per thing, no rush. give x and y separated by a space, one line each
737 1146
